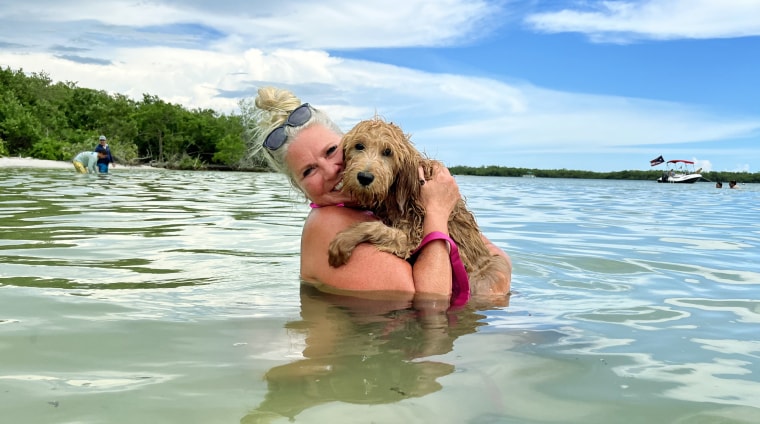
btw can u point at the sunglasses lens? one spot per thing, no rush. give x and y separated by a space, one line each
275 139
299 116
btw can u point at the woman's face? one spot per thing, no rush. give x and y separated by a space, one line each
316 161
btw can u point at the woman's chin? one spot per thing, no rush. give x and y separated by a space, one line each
338 197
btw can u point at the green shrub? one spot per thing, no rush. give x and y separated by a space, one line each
49 148
230 150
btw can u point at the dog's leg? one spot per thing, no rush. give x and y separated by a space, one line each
385 239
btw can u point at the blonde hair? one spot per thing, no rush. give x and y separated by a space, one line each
272 108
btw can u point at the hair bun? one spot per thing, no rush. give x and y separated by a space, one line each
276 100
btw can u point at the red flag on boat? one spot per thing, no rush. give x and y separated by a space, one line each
656 161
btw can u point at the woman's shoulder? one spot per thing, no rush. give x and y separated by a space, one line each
340 216
324 223
368 270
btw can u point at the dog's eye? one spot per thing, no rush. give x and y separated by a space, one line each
387 152
359 146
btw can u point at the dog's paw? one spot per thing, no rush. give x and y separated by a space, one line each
337 259
339 253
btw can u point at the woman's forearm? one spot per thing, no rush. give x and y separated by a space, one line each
432 269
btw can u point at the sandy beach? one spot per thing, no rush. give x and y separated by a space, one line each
18 162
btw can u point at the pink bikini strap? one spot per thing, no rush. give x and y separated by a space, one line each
341 205
460 283
315 206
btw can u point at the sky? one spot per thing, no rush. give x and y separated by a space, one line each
555 84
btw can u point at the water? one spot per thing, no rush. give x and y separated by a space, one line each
165 296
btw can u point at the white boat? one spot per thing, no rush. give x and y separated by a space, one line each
680 171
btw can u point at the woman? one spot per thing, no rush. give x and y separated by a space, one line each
304 144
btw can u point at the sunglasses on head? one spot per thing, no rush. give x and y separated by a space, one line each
298 117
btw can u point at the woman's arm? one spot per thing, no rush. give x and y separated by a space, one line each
432 270
368 269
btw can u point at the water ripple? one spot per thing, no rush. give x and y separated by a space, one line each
626 293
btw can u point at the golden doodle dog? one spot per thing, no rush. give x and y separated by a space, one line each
382 174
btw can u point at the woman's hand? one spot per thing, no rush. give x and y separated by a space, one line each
440 194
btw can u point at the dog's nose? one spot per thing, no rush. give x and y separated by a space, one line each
365 178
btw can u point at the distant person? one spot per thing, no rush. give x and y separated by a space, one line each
87 162
719 185
732 184
107 159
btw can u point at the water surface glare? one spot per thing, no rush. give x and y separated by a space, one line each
169 296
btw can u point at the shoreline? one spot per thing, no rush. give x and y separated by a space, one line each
19 162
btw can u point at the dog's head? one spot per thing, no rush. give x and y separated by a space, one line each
381 165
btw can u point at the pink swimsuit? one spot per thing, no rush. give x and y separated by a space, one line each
460 282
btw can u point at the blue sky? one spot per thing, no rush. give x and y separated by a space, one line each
591 85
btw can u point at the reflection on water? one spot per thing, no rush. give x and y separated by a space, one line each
166 296
361 352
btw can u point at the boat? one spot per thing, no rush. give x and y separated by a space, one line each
680 171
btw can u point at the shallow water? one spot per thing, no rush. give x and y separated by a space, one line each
166 296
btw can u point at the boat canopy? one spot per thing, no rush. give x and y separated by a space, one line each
681 161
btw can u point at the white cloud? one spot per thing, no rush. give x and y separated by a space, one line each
440 110
301 24
368 24
210 55
620 21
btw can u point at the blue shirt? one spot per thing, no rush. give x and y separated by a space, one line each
101 148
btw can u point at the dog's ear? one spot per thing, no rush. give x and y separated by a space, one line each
408 180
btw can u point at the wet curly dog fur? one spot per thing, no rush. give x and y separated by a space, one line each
382 174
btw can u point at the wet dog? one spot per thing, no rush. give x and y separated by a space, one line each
382 174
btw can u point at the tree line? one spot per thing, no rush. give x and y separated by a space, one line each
55 121
500 171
